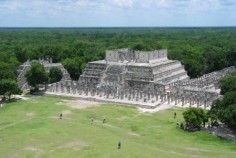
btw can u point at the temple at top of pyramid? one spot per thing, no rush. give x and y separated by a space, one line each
148 71
126 55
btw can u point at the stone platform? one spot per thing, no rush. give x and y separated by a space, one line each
143 79
139 103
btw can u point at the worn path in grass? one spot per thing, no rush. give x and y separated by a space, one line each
32 128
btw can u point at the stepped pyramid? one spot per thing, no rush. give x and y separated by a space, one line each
22 69
148 71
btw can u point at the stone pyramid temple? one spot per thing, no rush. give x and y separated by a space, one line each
148 71
144 79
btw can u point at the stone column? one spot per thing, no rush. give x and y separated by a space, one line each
168 98
62 88
129 96
205 104
182 101
161 98
145 94
97 91
190 102
121 95
86 91
126 94
100 93
57 87
49 88
115 94
198 102
73 87
136 99
172 98
67 87
152 95
185 100
54 87
107 94
94 92
156 95
148 96
133 94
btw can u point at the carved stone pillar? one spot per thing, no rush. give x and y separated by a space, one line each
204 104
168 98
133 94
57 87
121 95
62 88
182 101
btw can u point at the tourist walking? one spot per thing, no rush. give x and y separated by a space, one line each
119 145
104 120
174 115
177 124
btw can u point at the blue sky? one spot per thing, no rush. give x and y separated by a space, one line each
116 13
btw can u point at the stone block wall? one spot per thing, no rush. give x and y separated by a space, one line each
121 55
21 80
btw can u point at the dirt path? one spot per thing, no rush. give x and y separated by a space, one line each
78 104
159 108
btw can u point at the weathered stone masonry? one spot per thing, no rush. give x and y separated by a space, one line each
145 79
48 64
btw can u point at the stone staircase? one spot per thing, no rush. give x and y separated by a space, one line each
113 74
21 80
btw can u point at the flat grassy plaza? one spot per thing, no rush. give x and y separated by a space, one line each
32 128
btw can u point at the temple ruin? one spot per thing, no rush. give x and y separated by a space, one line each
48 64
144 79
141 71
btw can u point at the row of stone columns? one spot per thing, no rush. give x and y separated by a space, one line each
72 87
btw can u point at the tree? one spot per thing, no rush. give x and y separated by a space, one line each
213 112
225 110
8 87
55 75
6 72
140 46
21 54
36 75
73 66
215 60
194 116
228 83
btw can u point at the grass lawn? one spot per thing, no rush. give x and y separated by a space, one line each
32 128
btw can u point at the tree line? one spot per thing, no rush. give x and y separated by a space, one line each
201 50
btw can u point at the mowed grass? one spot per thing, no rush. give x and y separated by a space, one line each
32 128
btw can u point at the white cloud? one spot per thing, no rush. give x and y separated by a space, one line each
124 3
126 12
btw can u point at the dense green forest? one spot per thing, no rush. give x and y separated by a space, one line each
201 50
225 109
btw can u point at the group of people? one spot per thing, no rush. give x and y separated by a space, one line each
103 121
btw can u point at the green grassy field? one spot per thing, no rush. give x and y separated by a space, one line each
32 128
